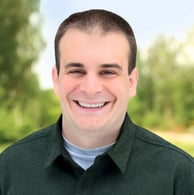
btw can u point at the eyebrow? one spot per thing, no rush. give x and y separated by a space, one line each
111 65
80 65
74 64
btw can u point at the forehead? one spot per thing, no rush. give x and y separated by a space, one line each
94 49
75 38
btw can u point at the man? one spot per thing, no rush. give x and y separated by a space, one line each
94 148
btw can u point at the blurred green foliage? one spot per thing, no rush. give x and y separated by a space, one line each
21 42
165 96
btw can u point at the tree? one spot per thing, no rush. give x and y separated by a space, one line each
166 84
20 45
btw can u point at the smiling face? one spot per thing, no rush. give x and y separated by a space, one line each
93 82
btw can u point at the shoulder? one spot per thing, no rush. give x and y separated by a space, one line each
33 142
153 142
153 153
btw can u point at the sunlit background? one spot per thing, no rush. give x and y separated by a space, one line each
147 18
165 37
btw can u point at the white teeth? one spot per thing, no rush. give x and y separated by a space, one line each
86 105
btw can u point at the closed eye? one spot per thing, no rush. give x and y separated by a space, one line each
110 70
75 69
76 72
107 72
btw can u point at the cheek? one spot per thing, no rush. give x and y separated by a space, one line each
120 89
66 86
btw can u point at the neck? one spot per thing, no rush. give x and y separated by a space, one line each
90 140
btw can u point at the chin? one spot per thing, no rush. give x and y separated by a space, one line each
90 127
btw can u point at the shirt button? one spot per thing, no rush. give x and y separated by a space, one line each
83 188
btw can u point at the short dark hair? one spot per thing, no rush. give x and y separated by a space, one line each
107 21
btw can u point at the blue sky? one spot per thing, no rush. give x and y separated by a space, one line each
147 18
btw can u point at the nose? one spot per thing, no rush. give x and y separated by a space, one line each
91 85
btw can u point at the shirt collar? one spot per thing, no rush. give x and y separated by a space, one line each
120 152
55 143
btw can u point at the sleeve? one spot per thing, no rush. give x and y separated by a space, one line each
192 178
184 179
0 176
3 175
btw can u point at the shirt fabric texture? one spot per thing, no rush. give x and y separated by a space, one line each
139 163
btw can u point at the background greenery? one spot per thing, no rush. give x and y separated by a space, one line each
165 97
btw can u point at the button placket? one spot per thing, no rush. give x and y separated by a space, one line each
84 184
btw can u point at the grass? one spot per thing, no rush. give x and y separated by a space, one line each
184 141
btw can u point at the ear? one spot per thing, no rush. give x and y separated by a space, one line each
55 79
133 80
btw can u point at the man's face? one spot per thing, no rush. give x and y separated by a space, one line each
93 83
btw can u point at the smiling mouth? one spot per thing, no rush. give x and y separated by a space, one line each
87 105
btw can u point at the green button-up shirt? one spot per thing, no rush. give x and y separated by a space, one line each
140 163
